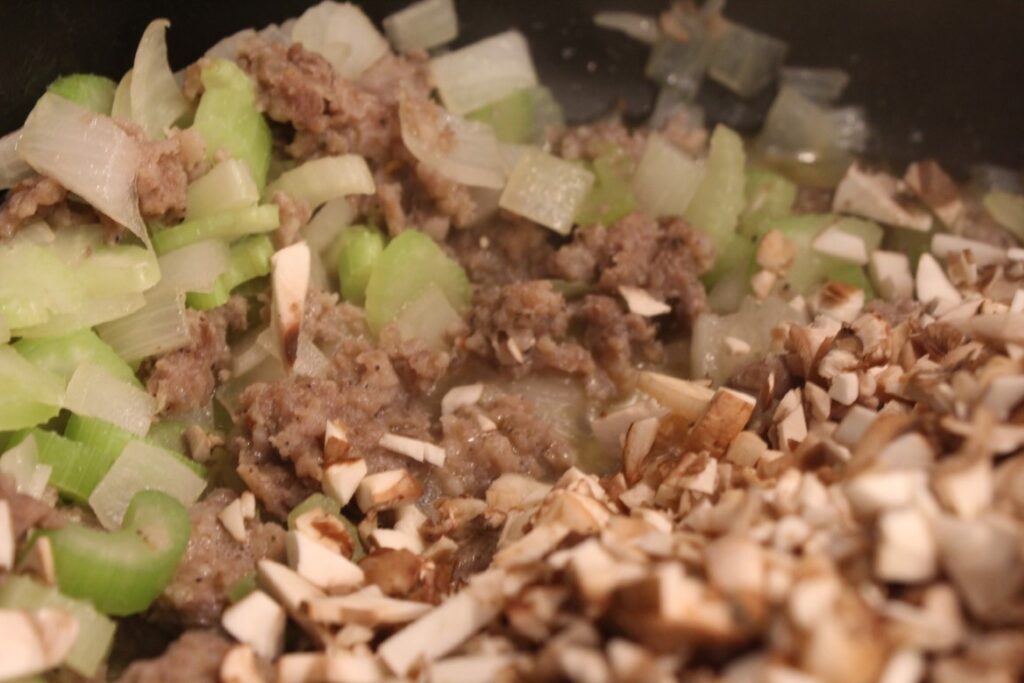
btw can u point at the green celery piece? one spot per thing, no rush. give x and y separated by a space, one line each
228 119
768 195
611 197
77 467
86 90
241 588
331 507
870 233
63 355
224 225
110 440
407 267
361 247
95 631
122 572
810 268
912 243
1008 209
168 434
511 117
851 274
719 200
30 395
735 260
250 259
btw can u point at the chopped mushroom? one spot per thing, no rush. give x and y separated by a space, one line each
232 518
931 283
875 196
7 540
319 565
387 489
461 397
641 302
34 642
257 621
342 479
239 666
290 281
420 451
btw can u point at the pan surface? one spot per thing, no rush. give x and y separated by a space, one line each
942 78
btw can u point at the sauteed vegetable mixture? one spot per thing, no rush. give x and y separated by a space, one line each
340 356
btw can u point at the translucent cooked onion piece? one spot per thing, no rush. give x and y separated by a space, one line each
820 85
249 259
95 631
21 463
93 92
142 467
547 190
484 72
798 128
430 318
666 178
319 181
464 151
94 392
158 327
422 25
343 35
195 267
642 27
228 185
13 168
30 396
86 153
680 65
122 572
85 315
746 61
156 98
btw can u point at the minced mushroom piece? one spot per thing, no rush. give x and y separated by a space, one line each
418 450
7 540
387 489
233 519
34 641
641 302
239 666
683 397
257 621
461 397
936 190
321 566
876 196
931 283
342 479
290 282
726 415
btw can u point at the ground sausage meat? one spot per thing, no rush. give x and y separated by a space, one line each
195 657
214 561
184 380
503 250
617 339
29 200
166 169
664 256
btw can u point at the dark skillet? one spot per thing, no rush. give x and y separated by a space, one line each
942 78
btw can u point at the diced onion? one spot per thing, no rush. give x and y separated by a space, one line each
143 467
228 185
160 326
321 180
86 153
820 85
309 360
327 224
746 61
680 65
12 168
21 464
30 394
422 25
547 190
429 318
799 128
343 35
483 72
94 392
670 102
194 268
156 98
464 151
642 27
122 106
666 178
87 314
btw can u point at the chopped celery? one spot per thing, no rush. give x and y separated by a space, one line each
143 467
407 266
224 225
430 318
612 197
422 25
1008 209
911 243
736 259
250 259
105 438
869 233
511 117
21 463
666 178
86 90
169 435
768 195
228 185
361 247
122 572
95 631
30 396
810 268
319 181
63 355
241 588
331 507
746 61
716 206
193 268
228 119
76 467
546 189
